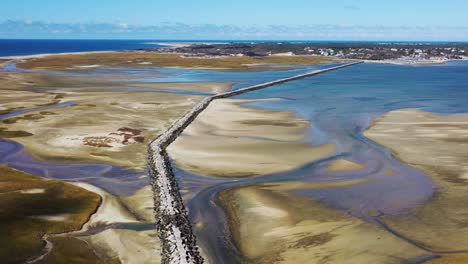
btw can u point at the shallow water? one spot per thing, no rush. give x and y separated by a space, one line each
340 105
114 179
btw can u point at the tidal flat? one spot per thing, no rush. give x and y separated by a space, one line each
280 175
269 216
87 127
67 125
436 144
295 229
232 140
97 121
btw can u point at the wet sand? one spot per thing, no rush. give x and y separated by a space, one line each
111 240
99 124
438 145
229 139
275 226
63 120
106 238
343 165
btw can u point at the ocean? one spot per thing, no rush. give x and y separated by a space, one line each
15 47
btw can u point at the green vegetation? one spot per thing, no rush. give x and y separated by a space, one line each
4 133
163 60
13 120
47 113
27 206
9 110
72 250
53 102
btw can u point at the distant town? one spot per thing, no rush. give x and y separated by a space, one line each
394 52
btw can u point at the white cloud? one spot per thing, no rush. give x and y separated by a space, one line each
168 30
351 7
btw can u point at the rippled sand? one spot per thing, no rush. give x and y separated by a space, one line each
438 145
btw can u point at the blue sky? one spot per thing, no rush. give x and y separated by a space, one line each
240 19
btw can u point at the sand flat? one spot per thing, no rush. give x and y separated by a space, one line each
438 145
343 165
121 245
93 129
110 210
141 203
89 129
128 246
271 226
230 139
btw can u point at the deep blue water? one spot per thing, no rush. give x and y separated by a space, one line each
13 47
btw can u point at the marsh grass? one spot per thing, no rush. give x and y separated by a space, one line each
9 110
165 60
72 250
4 133
30 117
20 230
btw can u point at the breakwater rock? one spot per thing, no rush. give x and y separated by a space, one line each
175 231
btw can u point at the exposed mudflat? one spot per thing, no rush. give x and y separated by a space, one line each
438 145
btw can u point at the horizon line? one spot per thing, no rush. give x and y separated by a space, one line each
242 40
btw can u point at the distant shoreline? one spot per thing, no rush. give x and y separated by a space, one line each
414 63
179 44
42 55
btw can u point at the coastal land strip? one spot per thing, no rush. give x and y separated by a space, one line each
84 61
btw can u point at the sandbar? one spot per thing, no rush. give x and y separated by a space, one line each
438 145
275 226
229 139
